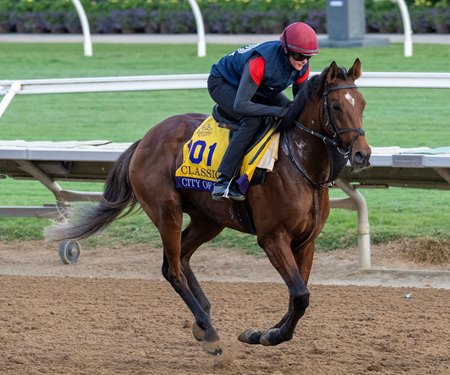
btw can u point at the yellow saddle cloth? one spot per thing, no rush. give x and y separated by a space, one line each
203 153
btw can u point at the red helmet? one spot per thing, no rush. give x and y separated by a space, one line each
300 37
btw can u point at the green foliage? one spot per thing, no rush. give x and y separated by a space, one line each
263 5
106 5
220 16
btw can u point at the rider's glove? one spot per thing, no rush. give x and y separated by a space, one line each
287 117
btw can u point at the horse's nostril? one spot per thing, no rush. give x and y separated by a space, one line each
358 158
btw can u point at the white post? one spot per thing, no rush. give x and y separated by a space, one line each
9 96
85 27
406 27
363 223
201 45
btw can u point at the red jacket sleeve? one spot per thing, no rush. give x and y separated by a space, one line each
257 66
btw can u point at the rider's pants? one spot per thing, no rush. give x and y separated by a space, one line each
224 95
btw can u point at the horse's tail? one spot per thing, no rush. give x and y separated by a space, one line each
90 219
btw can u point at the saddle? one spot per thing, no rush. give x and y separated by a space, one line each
222 117
231 123
203 153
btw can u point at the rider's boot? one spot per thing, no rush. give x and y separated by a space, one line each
225 187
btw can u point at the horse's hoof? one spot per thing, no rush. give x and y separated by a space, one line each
197 332
271 337
213 347
250 336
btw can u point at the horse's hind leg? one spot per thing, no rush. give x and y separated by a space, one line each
199 231
165 212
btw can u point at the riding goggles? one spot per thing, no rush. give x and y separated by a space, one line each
297 56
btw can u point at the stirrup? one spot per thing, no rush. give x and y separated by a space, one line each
224 189
235 195
221 188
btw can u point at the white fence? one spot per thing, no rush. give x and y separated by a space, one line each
189 81
198 81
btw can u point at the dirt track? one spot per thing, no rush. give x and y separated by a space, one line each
95 323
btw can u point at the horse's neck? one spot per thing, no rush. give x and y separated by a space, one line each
311 151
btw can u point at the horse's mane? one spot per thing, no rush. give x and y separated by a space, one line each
313 88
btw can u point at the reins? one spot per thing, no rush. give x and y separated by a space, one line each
299 166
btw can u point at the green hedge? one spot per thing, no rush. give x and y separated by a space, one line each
220 16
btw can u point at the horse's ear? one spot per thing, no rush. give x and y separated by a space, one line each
355 71
333 72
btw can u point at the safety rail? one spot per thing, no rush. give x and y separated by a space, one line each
189 81
198 81
436 175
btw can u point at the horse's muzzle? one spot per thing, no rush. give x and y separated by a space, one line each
360 160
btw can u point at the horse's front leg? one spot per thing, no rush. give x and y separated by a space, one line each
279 252
304 258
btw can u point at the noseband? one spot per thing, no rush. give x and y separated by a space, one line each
335 139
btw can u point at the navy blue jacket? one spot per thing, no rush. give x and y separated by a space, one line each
278 73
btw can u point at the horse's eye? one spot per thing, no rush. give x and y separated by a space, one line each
336 107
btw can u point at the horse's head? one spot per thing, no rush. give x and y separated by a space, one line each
343 112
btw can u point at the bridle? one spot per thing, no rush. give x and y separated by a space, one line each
337 156
335 139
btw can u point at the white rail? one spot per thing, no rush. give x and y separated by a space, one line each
201 44
197 81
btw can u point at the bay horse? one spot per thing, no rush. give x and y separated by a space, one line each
289 209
